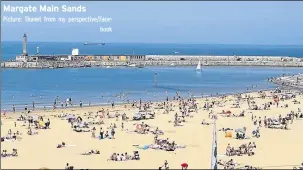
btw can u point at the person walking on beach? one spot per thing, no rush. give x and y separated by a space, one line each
62 105
14 109
81 104
33 105
113 133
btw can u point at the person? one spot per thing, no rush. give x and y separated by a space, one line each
25 107
14 108
101 133
94 132
184 166
81 104
113 133
33 105
166 166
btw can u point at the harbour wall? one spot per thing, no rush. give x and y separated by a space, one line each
289 82
167 60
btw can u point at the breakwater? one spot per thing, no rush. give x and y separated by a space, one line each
161 60
289 82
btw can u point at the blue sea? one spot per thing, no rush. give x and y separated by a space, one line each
103 85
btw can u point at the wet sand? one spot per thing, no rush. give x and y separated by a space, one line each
274 147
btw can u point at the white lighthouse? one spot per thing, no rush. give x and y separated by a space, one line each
24 45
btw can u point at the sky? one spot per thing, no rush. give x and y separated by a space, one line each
231 22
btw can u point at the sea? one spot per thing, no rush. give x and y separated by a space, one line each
101 86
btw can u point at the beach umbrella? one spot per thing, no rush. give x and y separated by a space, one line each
228 112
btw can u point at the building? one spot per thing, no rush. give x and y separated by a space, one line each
75 56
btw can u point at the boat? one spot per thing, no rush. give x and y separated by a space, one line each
108 67
199 66
87 43
51 67
132 65
173 64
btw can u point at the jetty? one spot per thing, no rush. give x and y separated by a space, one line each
75 59
289 81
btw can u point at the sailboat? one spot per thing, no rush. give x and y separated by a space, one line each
199 66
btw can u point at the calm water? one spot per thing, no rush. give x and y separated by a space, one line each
20 86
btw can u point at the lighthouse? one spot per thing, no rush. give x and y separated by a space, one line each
24 45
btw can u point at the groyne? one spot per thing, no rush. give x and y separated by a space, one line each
163 60
289 82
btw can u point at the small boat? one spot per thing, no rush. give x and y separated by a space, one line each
108 67
51 67
132 65
173 64
199 66
88 65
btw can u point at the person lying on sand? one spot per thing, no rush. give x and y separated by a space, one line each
62 145
225 129
91 152
204 122
78 129
30 132
13 154
124 156
157 131
68 167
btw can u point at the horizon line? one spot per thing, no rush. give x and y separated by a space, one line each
165 43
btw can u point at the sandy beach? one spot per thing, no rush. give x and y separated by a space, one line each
275 148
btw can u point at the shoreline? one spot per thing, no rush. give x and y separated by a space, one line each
9 111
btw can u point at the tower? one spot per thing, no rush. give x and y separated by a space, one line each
24 45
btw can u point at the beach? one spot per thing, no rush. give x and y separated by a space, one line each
273 147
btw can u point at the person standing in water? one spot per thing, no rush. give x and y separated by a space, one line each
81 104
14 108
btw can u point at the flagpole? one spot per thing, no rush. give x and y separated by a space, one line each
214 154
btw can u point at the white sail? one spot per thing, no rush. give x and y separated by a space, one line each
199 66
